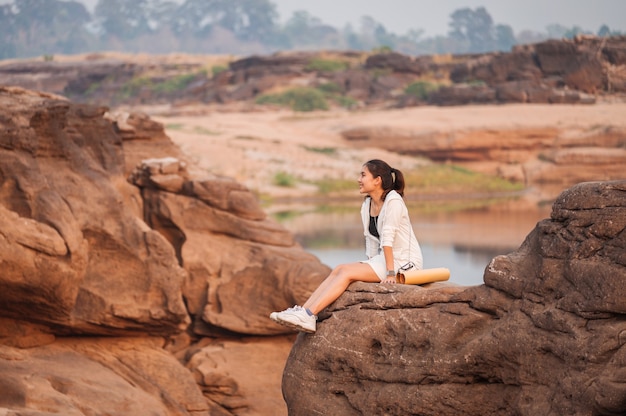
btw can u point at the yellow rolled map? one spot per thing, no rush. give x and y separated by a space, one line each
420 277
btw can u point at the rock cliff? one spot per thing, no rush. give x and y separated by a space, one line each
541 155
544 335
575 71
120 272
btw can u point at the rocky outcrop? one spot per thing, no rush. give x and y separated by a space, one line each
82 375
120 271
73 77
66 229
554 71
541 155
234 255
576 71
564 71
545 334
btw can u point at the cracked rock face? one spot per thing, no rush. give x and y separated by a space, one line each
114 260
545 334
72 254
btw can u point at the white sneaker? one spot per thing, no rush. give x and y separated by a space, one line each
296 318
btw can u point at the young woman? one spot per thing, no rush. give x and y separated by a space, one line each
389 244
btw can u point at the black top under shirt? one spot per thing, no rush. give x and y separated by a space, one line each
373 230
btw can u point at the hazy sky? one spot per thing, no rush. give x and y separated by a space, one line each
433 17
399 16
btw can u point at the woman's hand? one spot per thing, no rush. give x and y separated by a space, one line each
391 273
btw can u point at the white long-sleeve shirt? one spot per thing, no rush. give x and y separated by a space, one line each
395 230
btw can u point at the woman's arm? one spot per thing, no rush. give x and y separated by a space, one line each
391 224
388 252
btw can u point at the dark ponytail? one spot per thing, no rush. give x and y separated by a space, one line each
392 179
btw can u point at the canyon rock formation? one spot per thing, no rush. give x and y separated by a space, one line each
544 155
584 70
575 71
121 273
544 335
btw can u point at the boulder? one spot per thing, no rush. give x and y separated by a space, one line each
580 67
78 376
613 50
396 62
513 92
116 263
255 65
544 333
494 69
462 94
353 83
73 255
235 255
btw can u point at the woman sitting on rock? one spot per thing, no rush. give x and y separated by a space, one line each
389 244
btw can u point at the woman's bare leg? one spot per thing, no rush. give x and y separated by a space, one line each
337 282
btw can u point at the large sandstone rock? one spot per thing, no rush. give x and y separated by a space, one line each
236 257
73 255
579 65
115 263
396 62
565 70
543 335
81 376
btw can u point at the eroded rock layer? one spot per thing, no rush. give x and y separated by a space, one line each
567 71
120 272
545 334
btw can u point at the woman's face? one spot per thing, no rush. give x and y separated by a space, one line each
367 183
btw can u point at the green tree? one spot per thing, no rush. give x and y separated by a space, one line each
352 39
128 19
556 31
371 35
606 31
303 30
505 38
575 30
69 26
8 32
250 20
46 26
383 37
193 17
415 35
162 13
474 27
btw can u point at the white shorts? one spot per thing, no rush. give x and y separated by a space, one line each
379 265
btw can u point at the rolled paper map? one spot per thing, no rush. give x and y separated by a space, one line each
420 277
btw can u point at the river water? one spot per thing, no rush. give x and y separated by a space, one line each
462 235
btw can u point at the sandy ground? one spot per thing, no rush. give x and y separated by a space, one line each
253 147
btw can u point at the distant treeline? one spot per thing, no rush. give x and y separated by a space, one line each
30 28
